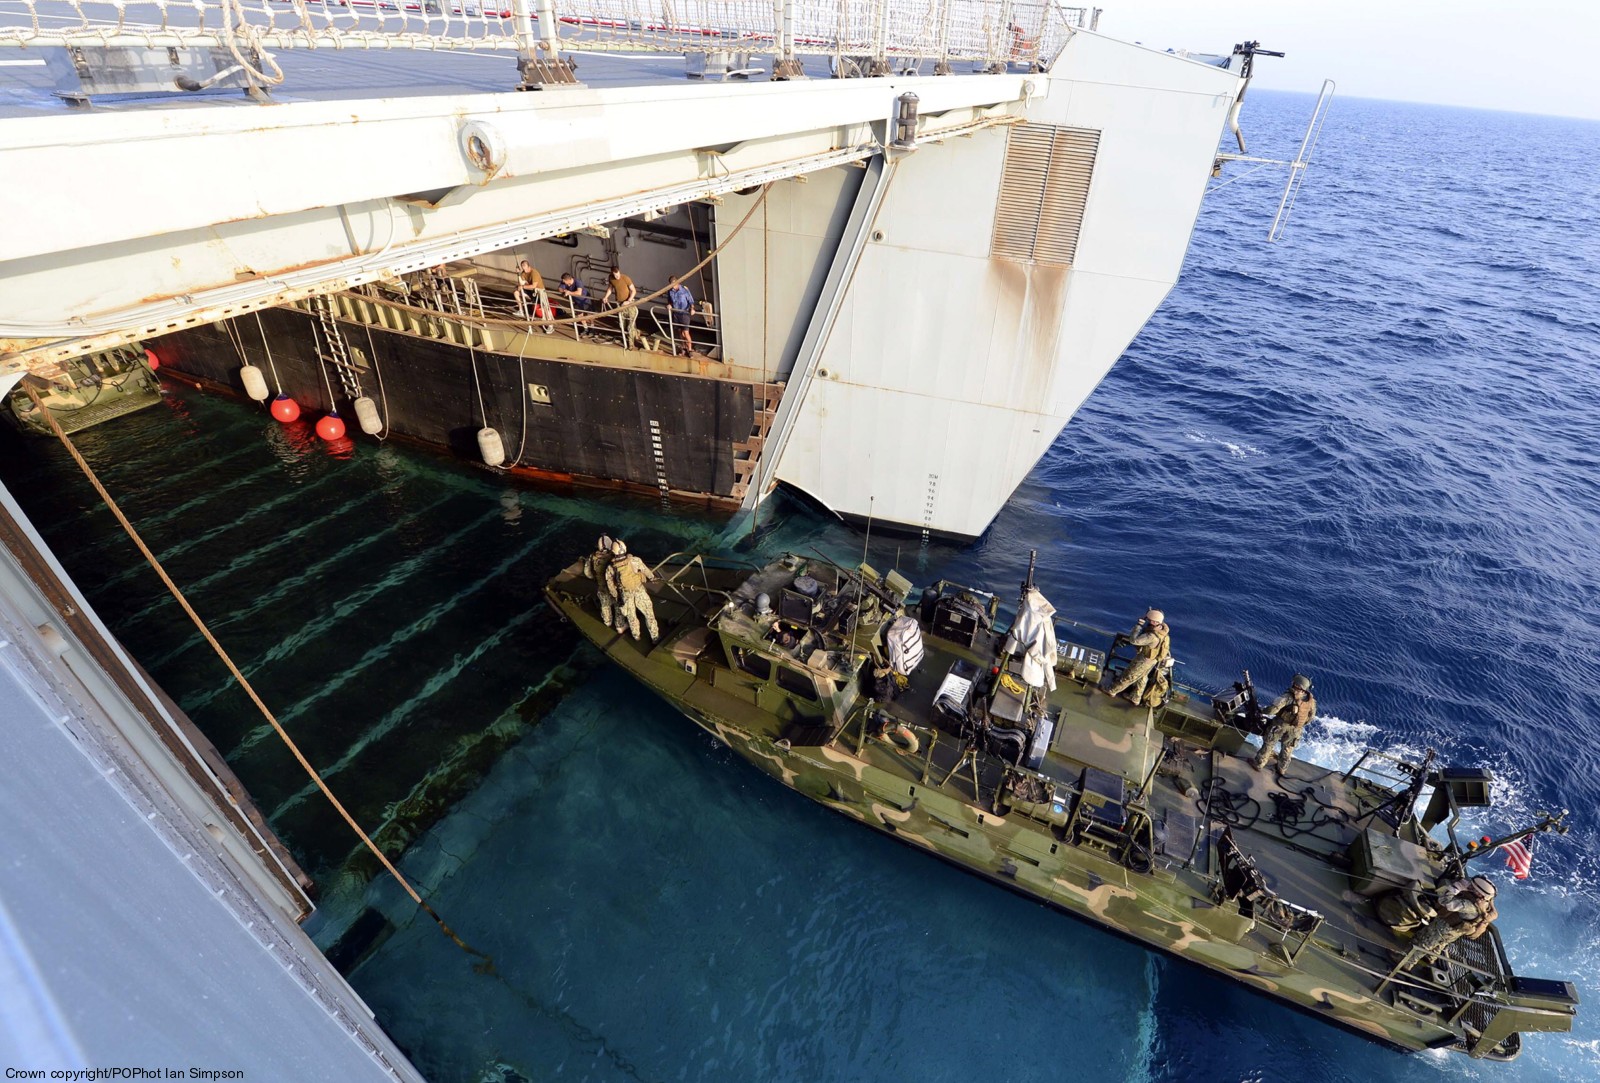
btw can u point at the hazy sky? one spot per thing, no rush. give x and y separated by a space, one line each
1528 56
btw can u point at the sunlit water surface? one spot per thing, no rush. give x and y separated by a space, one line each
1370 453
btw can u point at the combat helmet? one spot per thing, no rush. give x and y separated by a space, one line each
619 548
1302 682
604 544
1155 616
1483 887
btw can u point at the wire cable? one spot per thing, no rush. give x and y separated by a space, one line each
488 964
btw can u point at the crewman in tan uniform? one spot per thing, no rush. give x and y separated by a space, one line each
595 566
1289 714
627 576
530 293
622 288
1464 908
1152 639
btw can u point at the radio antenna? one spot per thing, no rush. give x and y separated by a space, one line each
861 575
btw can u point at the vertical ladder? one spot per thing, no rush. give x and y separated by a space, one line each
337 353
747 452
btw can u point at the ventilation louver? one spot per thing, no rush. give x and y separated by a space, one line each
1042 193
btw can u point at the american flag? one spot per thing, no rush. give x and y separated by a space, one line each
1519 858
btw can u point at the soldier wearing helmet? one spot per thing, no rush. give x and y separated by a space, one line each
1152 642
627 577
1464 909
595 566
1287 717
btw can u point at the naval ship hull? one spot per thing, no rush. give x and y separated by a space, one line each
936 304
1071 851
622 421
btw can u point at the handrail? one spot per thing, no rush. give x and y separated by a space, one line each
857 36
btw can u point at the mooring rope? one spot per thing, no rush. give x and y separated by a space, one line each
488 964
265 345
637 301
381 392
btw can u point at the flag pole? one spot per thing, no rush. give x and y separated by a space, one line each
1546 822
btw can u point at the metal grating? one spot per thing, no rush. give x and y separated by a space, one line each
1043 191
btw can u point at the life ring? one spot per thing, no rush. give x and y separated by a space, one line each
902 737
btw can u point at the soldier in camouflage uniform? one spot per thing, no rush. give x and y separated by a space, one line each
1152 639
1464 909
1289 714
595 566
627 577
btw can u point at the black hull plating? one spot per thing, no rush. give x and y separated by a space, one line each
601 422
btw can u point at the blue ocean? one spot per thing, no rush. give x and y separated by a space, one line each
1370 453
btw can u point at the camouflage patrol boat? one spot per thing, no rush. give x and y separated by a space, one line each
85 391
998 750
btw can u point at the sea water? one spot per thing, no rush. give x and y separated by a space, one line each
1369 453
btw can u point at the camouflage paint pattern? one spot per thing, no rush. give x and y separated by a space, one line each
1339 973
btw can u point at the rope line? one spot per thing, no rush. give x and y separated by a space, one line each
234 340
472 354
244 683
590 317
523 393
322 367
273 365
384 395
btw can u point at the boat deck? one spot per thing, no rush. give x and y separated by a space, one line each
1279 821
1316 839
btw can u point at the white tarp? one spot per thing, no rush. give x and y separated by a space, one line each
904 640
1033 635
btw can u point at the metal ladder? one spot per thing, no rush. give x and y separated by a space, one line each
337 353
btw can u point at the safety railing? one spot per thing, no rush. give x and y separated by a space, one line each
263 24
859 36
493 303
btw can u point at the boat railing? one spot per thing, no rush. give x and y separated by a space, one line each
687 561
1384 770
720 37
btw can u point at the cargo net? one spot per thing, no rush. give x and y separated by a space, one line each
862 36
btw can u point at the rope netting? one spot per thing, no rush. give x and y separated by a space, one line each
990 33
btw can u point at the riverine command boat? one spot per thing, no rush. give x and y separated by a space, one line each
1001 746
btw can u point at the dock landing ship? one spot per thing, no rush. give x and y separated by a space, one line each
897 324
998 750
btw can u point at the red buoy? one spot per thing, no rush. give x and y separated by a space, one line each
285 409
150 356
331 427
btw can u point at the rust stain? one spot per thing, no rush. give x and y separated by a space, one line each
157 298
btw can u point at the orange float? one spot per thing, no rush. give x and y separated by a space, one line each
285 409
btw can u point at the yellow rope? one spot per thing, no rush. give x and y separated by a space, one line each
244 682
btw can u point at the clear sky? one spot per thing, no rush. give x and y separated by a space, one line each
1527 56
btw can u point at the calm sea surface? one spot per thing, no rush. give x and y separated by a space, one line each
1371 453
